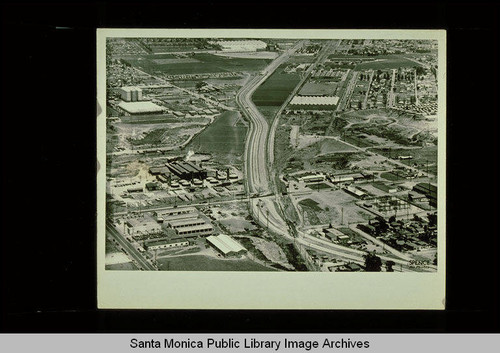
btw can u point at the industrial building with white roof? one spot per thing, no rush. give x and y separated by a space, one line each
226 245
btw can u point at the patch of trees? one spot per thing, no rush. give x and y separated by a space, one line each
373 263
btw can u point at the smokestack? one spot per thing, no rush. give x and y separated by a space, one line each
227 174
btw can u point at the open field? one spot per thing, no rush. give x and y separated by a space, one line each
268 111
127 266
276 89
334 146
310 204
270 55
224 137
332 207
197 64
420 155
390 125
208 263
386 63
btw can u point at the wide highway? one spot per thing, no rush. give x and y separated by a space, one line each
257 178
264 204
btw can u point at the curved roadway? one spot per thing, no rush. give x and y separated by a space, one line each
258 156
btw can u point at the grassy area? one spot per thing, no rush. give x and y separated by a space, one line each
391 176
294 257
225 136
421 156
321 186
153 137
386 63
268 112
197 64
127 266
276 89
311 204
334 146
111 112
208 263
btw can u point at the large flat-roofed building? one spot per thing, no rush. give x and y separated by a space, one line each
314 100
187 170
202 230
163 243
355 191
131 94
336 235
168 219
142 226
241 45
226 245
144 107
311 178
183 223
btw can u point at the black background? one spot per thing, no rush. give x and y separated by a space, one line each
48 241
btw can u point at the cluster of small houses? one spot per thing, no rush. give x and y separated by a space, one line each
404 235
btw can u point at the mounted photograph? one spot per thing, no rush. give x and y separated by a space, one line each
271 169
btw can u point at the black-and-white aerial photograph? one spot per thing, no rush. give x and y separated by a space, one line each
271 154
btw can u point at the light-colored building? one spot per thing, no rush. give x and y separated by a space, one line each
312 178
183 223
175 211
142 226
226 245
241 45
143 107
201 230
164 243
131 94
314 100
168 219
336 235
355 191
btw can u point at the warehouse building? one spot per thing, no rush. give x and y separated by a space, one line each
144 107
176 213
226 245
346 178
164 243
336 235
311 178
167 219
201 230
187 170
241 45
314 100
183 223
355 192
